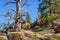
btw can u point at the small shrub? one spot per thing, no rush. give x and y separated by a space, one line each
55 37
16 36
25 26
29 36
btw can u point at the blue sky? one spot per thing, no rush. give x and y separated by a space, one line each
32 9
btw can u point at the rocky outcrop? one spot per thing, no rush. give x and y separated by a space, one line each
25 35
56 25
3 38
29 35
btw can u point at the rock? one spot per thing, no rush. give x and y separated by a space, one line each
40 36
56 25
3 38
57 29
29 35
28 32
20 33
16 35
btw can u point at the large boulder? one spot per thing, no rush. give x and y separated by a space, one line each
25 35
56 25
57 29
3 38
16 35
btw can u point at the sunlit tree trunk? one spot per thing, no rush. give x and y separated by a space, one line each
18 16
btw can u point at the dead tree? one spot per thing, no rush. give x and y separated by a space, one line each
18 16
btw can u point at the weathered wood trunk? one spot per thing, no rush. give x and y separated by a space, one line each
18 16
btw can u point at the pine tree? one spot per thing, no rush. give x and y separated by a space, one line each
28 18
49 10
57 6
53 6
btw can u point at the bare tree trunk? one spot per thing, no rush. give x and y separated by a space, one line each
18 16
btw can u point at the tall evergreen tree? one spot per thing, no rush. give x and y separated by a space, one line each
28 18
52 6
48 9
